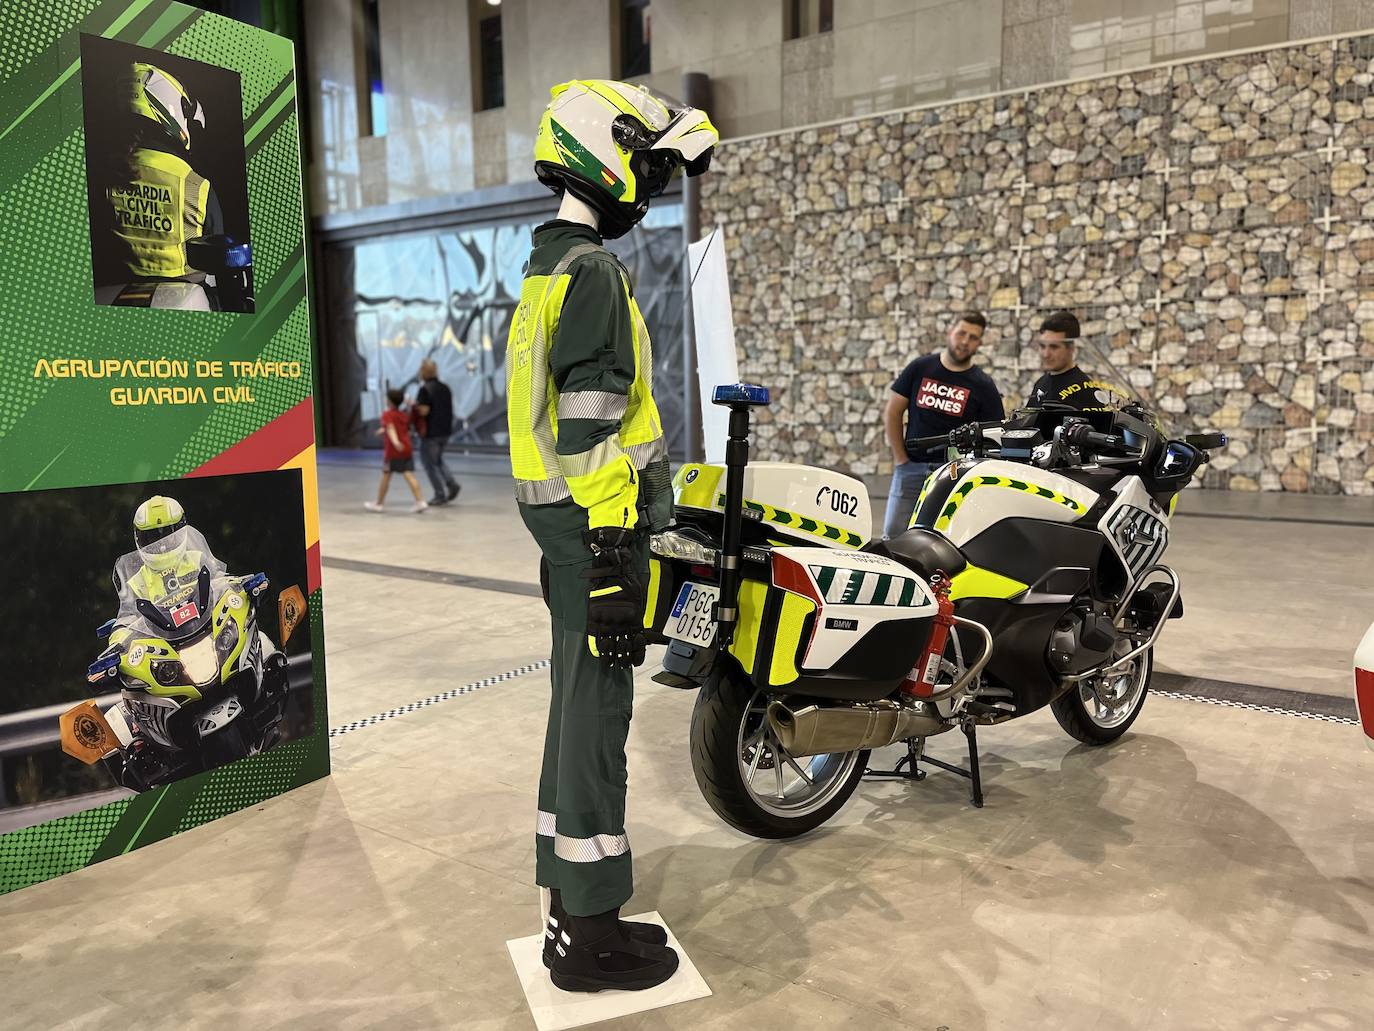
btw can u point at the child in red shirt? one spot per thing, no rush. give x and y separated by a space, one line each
397 454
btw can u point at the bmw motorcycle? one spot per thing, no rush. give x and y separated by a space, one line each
1031 576
199 684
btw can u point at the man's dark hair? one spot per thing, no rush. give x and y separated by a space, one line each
395 395
1061 322
973 318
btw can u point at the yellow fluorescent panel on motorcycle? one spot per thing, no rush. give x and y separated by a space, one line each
788 640
651 599
745 646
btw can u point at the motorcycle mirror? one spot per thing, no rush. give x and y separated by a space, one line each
1209 441
105 629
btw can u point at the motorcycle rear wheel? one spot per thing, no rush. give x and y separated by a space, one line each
1099 713
749 779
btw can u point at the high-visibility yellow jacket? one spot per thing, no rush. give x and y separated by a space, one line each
161 207
584 428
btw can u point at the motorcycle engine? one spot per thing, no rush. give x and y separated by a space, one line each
1082 639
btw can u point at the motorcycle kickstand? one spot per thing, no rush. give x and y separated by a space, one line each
915 752
973 774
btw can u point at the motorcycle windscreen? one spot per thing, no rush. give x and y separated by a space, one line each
168 589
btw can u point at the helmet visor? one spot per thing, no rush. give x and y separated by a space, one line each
162 547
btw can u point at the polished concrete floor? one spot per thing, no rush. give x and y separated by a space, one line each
1214 869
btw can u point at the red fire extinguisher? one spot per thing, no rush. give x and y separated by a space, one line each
923 677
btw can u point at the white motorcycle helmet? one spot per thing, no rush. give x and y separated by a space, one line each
614 146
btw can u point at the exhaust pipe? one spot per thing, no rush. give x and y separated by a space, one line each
823 729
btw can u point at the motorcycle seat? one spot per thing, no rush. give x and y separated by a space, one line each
922 551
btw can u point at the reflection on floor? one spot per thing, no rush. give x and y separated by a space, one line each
1209 870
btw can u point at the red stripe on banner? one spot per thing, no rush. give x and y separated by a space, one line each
313 573
1364 700
271 447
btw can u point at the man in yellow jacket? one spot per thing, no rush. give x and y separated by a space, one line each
591 480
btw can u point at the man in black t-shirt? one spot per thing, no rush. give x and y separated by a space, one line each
1064 382
935 393
434 403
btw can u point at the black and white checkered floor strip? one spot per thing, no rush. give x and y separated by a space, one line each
1232 704
1307 705
1304 705
435 699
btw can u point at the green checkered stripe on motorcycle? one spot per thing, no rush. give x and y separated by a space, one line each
800 523
962 492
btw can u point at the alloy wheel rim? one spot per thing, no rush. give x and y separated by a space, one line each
1109 701
783 785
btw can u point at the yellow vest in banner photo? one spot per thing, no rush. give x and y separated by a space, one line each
157 211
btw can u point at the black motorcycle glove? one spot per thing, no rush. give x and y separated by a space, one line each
615 598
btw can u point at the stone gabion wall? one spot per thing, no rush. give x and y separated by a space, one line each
1212 223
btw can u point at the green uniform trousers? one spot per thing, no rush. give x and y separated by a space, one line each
580 845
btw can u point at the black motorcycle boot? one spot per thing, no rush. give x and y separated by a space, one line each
594 954
648 934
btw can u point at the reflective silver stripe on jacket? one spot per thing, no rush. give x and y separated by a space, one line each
541 492
546 492
590 850
540 427
592 404
650 451
547 826
584 463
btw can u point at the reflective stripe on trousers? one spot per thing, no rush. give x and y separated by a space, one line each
581 850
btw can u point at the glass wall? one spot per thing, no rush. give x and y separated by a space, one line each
449 295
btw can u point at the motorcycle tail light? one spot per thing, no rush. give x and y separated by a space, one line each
671 544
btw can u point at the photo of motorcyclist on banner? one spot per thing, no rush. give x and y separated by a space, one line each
163 654
591 480
166 183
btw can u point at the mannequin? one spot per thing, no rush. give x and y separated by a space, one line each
591 484
573 210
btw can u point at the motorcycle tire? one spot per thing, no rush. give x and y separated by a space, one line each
721 708
1071 711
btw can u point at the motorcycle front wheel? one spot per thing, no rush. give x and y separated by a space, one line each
1100 710
746 775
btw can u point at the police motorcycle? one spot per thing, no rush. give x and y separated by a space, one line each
200 685
1030 576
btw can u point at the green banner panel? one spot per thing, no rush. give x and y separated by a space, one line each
157 463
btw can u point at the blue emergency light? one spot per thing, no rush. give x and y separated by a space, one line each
740 394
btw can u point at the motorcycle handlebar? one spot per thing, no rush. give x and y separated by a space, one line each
926 443
1081 434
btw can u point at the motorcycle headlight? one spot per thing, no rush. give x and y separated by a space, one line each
674 545
226 639
166 672
201 662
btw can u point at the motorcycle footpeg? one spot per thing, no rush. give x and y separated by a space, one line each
981 709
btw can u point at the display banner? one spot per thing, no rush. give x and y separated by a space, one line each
158 511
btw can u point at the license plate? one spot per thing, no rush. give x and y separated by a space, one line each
692 618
